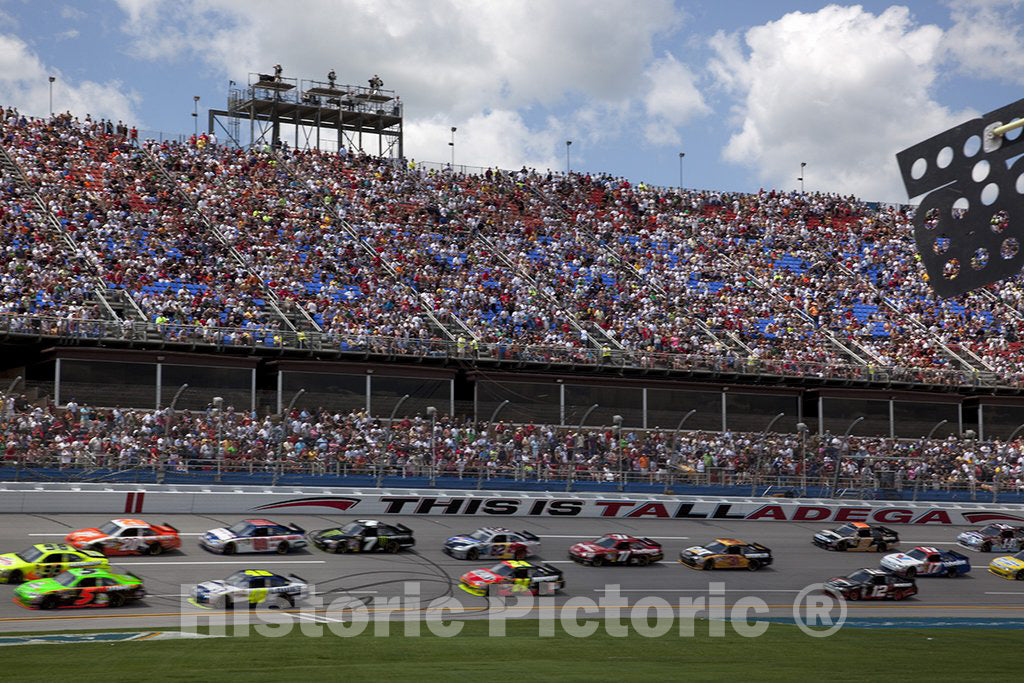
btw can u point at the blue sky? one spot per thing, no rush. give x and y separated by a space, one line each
747 89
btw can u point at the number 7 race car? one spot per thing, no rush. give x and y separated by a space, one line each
872 584
514 576
80 588
254 536
857 536
127 537
616 549
364 536
46 559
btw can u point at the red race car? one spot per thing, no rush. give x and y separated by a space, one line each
872 584
127 537
511 577
616 549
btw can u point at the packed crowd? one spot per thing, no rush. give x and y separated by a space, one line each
79 436
352 248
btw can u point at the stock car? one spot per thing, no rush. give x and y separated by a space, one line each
254 536
363 536
252 587
80 587
926 561
494 542
1008 566
857 536
127 537
513 576
46 560
727 553
872 584
616 549
994 537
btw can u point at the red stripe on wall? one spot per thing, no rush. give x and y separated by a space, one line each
129 503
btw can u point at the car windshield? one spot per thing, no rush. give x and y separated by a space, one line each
846 530
240 529
352 529
501 569
918 554
238 580
110 528
861 576
1019 556
716 547
990 530
480 535
605 542
66 579
31 555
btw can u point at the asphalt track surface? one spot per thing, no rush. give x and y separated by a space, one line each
373 578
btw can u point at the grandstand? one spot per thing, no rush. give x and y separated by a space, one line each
512 302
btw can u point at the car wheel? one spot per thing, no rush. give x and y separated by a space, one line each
642 560
852 595
841 545
225 603
882 547
520 554
597 561
472 553
155 549
229 549
49 602
14 577
392 547
753 565
115 599
282 548
709 565
1019 575
986 547
911 572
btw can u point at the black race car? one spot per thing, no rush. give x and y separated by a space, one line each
857 536
872 584
364 536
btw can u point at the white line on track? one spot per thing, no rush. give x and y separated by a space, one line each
249 562
670 538
1003 593
698 590
180 533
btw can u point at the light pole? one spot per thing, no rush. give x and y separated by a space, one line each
617 449
195 114
845 452
432 412
802 429
674 456
291 403
452 145
760 451
579 430
170 424
803 164
681 155
52 79
218 405
568 144
1015 432
387 443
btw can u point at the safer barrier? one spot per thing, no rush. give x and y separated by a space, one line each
113 499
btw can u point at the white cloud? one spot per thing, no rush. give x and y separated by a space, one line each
987 39
24 81
475 64
841 89
672 99
70 34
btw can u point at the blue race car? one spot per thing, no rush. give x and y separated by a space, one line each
926 561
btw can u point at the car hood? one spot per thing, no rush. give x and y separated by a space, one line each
973 536
480 576
212 587
10 560
698 550
840 581
461 540
586 548
38 586
220 534
899 559
828 533
83 535
332 535
1007 562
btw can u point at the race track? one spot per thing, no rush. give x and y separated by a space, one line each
373 578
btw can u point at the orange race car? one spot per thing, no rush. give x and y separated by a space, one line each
127 537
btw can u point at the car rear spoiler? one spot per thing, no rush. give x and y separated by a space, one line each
552 569
133 575
650 541
296 576
403 528
957 556
887 530
296 528
760 547
529 536
170 526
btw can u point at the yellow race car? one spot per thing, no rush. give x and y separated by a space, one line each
45 560
727 553
1008 566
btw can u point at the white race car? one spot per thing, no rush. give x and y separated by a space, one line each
493 541
254 536
251 587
